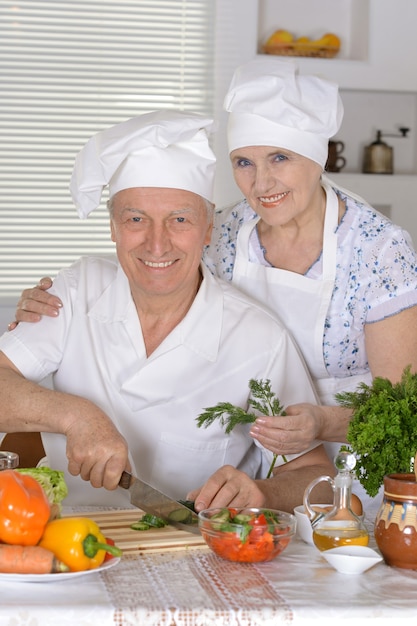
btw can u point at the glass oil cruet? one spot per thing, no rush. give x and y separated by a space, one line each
339 526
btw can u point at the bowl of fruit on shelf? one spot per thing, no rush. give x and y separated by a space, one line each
284 43
249 535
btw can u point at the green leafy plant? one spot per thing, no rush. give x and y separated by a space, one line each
262 400
383 430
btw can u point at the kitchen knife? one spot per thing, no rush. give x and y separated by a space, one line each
153 501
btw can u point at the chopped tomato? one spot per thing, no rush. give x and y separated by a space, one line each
260 520
245 537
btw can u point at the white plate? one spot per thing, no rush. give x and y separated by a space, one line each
52 578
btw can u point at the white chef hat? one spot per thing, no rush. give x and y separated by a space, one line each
271 104
167 149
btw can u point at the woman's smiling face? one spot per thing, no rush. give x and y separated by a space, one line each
279 185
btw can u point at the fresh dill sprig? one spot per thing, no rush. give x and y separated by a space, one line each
262 400
228 414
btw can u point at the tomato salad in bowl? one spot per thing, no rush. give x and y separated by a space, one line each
249 535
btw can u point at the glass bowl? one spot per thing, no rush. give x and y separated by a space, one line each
304 528
249 535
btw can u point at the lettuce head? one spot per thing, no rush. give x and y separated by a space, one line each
52 481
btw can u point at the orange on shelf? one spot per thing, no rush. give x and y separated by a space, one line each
280 37
330 39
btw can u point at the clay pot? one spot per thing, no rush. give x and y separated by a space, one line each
396 521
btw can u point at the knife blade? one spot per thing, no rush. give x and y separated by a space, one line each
157 503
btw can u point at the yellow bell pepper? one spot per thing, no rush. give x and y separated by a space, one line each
78 542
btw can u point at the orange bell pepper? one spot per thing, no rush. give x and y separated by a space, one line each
78 542
24 508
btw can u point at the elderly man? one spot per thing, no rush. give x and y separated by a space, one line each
146 340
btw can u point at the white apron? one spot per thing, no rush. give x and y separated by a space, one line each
302 304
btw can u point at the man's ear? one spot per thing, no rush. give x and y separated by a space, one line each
207 239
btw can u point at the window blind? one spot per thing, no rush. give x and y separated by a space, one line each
68 70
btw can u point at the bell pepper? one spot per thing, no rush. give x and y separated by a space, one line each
78 542
24 509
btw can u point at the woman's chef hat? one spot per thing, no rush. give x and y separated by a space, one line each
167 149
271 104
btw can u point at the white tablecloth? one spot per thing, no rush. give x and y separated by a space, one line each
196 588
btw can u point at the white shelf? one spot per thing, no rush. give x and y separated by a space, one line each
382 187
348 19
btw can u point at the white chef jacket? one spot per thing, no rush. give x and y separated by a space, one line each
95 349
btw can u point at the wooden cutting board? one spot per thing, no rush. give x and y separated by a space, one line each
116 524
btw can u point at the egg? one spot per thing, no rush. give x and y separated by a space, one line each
356 504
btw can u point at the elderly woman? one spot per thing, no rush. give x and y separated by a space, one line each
341 276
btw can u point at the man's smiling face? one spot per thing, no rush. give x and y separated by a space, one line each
160 235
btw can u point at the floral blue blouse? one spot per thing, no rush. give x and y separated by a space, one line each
376 276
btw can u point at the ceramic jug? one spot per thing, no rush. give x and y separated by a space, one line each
396 521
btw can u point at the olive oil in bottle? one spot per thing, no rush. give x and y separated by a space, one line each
329 538
340 526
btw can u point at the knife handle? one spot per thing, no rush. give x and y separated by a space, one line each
125 480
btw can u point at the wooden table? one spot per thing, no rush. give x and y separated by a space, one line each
171 581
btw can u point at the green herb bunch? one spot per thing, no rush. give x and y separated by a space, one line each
262 400
383 430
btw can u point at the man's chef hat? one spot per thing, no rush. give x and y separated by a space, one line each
271 104
167 149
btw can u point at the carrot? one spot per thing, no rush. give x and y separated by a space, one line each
15 559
